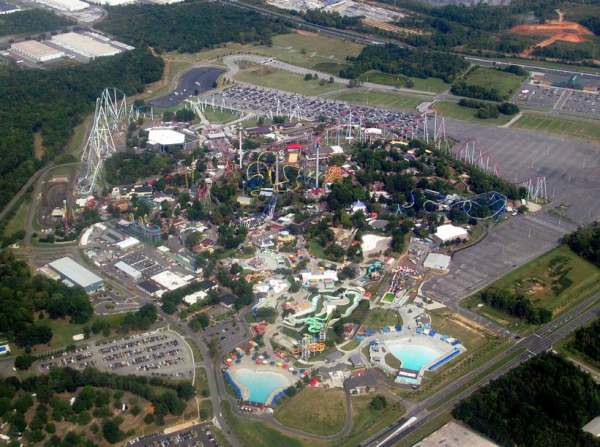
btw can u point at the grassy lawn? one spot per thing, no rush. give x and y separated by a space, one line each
17 223
383 317
195 350
320 53
206 410
505 83
392 361
556 281
219 116
326 419
387 99
284 80
315 249
351 346
201 383
453 110
587 129
433 85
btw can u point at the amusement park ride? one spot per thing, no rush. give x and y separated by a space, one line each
113 114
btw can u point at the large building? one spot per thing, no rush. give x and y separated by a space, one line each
160 139
73 273
437 261
37 50
65 5
83 45
447 233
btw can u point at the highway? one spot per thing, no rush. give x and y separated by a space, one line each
539 342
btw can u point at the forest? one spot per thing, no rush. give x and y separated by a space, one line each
53 102
22 295
393 59
586 243
189 27
32 21
543 402
461 88
36 403
587 340
515 304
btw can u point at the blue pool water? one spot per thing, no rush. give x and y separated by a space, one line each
414 356
261 383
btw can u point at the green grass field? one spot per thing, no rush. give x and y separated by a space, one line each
505 83
544 287
392 361
433 85
284 80
316 52
315 410
350 346
388 297
587 129
453 110
315 249
387 99
219 116
17 223
382 317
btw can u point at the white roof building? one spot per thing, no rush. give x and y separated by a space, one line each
128 243
112 2
83 45
325 274
37 50
437 261
169 280
446 233
128 270
65 5
195 297
165 137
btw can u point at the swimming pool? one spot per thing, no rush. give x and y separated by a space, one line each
414 356
261 384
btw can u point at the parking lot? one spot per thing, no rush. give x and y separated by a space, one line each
264 101
540 96
582 102
199 435
225 332
152 353
200 79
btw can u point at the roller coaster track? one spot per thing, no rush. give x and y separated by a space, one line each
471 152
112 113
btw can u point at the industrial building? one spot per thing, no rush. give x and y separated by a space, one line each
7 8
73 273
83 45
447 233
128 270
437 261
37 51
113 2
65 5
160 139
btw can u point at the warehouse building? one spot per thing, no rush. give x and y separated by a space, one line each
447 233
73 273
437 261
37 51
65 5
128 270
83 45
113 2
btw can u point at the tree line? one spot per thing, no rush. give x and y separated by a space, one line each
587 340
416 63
53 102
189 27
586 243
543 402
515 304
22 296
32 21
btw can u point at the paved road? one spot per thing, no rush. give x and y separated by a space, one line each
233 69
199 78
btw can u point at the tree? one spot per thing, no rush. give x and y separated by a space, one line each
149 419
111 432
24 361
379 403
308 77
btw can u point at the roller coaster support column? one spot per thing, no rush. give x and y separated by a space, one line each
240 127
317 174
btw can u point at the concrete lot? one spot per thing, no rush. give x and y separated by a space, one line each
570 165
195 436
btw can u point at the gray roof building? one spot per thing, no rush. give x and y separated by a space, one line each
593 427
76 274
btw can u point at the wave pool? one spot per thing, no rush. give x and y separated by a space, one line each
261 384
414 356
